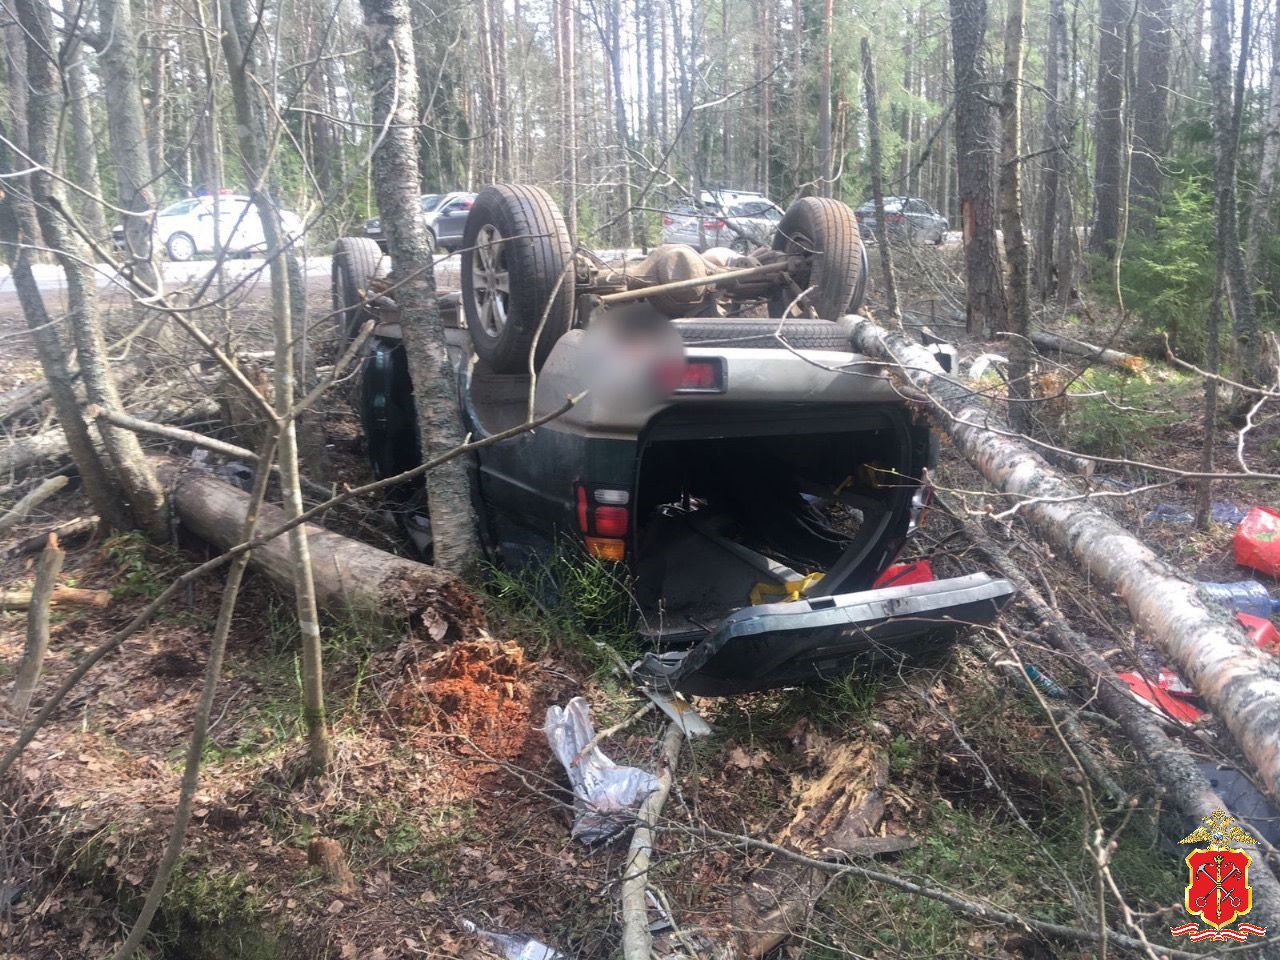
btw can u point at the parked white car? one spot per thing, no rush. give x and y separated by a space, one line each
186 229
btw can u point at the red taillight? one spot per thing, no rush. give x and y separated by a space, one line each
667 221
612 521
703 375
602 512
715 224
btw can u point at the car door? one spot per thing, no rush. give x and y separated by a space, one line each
453 220
919 220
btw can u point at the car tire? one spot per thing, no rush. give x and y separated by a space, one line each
938 240
516 238
836 271
356 263
433 244
798 333
180 247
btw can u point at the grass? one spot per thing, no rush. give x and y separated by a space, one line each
572 603
1113 414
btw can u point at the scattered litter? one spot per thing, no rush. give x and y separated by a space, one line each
905 574
1169 513
980 364
1243 799
1261 631
1044 681
605 794
1224 511
515 946
1160 702
681 712
1257 540
1244 596
1221 511
1171 680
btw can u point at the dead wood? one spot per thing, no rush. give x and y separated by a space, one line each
326 855
71 530
349 575
1173 767
60 596
20 510
1128 362
836 817
37 627
637 941
1240 682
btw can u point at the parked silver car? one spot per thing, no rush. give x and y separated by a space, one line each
735 219
443 214
908 218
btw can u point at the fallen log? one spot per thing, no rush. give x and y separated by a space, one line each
65 532
1128 362
37 626
350 576
1174 768
60 597
20 510
51 444
1240 683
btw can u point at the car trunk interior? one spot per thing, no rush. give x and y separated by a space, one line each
756 506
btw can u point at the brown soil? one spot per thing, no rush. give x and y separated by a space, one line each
474 691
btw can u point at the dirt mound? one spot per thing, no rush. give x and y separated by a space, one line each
475 691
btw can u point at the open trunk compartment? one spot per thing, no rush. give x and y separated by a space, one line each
742 506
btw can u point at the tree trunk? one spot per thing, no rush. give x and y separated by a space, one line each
877 181
453 523
1015 242
353 577
614 50
252 135
568 114
1055 133
83 153
975 162
1240 682
1227 108
1109 127
1150 108
825 157
127 131
1262 207
143 495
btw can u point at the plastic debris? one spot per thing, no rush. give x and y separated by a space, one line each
1044 681
1243 799
905 574
1224 511
1161 702
1221 511
605 794
981 363
1261 631
515 946
1257 541
1169 513
1244 596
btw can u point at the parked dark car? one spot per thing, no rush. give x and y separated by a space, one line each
443 214
907 218
753 495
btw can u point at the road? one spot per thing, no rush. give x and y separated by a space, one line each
249 271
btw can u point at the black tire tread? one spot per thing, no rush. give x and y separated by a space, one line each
356 262
837 266
802 334
538 250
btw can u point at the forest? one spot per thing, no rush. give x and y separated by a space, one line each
641 479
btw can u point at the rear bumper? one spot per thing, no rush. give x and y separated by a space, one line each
784 644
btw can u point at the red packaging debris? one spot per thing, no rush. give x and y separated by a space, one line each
1257 540
1161 701
1261 631
905 574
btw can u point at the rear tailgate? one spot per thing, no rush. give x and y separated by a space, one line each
782 644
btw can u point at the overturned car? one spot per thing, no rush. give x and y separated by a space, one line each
755 476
